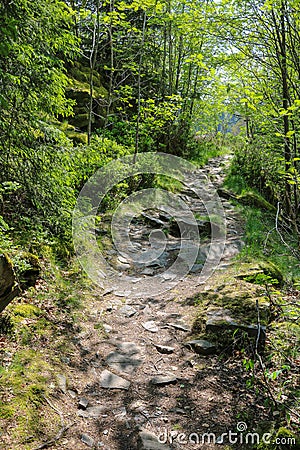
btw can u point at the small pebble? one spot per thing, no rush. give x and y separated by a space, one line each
83 403
87 440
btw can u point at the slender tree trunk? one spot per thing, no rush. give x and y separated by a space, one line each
179 63
194 93
112 59
164 63
285 103
92 63
170 50
179 57
137 128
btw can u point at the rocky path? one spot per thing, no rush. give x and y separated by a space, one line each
191 232
137 379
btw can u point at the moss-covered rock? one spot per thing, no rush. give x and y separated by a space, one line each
26 310
79 90
255 200
264 272
77 138
81 73
229 307
27 268
80 121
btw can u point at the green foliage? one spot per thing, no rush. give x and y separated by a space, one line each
281 439
199 153
37 41
52 184
264 243
259 168
263 89
264 238
36 36
167 183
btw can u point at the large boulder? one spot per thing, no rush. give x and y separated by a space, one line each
8 286
18 276
79 91
256 201
234 304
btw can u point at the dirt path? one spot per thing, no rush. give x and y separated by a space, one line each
134 383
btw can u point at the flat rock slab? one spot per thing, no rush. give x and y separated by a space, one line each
154 221
220 320
150 326
83 403
123 362
149 441
109 380
127 311
168 276
148 271
92 412
161 380
201 346
62 382
128 348
122 293
127 358
196 268
123 260
122 266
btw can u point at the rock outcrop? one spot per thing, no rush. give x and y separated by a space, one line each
14 279
9 288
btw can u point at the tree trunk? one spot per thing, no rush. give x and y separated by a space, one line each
92 62
137 128
112 63
285 104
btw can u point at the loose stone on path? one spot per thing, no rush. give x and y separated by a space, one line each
62 382
150 326
164 349
201 346
128 311
149 441
86 439
126 359
109 380
179 326
92 412
161 380
83 403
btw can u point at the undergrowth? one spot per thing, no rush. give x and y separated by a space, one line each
36 335
265 239
275 372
